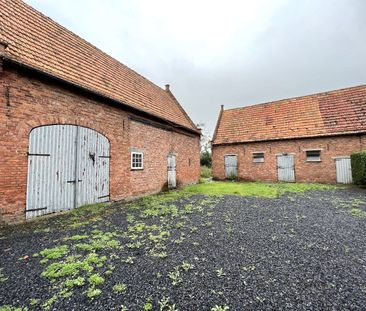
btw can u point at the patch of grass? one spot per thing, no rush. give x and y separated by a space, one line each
358 212
48 304
71 283
220 308
11 308
77 237
148 306
63 269
54 253
119 288
93 292
256 189
96 279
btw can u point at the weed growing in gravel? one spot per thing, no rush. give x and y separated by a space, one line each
96 279
175 276
33 302
119 288
220 272
220 308
186 266
71 283
248 268
358 212
11 308
2 276
165 305
54 253
48 304
148 306
93 292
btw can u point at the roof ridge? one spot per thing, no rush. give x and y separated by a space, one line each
298 97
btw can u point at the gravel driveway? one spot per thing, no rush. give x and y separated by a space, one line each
296 252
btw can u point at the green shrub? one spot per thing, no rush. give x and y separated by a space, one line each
206 172
206 158
358 163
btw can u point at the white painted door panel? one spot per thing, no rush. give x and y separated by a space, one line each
343 170
68 166
286 167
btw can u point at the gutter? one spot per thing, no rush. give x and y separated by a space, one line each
118 103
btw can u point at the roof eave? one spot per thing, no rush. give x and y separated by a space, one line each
93 92
289 138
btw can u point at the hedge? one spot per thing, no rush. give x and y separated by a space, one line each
358 164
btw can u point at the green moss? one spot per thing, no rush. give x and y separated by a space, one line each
76 237
63 269
93 292
79 281
119 288
54 253
96 279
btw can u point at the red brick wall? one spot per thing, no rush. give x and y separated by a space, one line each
33 102
324 171
156 144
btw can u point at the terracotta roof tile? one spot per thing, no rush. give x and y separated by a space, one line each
336 112
37 41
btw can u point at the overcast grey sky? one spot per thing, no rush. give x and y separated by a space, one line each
234 53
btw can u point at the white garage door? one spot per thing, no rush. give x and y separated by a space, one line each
68 166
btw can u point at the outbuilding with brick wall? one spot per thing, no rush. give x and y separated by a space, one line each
78 127
302 139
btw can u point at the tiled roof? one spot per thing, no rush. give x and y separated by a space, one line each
330 113
37 41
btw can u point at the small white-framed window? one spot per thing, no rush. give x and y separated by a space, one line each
137 160
258 157
313 155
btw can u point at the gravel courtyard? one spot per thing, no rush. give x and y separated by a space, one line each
181 251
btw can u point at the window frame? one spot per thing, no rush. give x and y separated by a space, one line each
133 153
313 158
258 159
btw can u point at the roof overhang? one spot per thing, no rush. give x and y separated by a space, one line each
289 138
106 98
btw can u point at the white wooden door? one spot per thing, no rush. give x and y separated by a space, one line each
286 167
231 166
92 167
68 166
172 171
51 170
343 170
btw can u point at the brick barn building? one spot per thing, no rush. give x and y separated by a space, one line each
78 127
303 139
